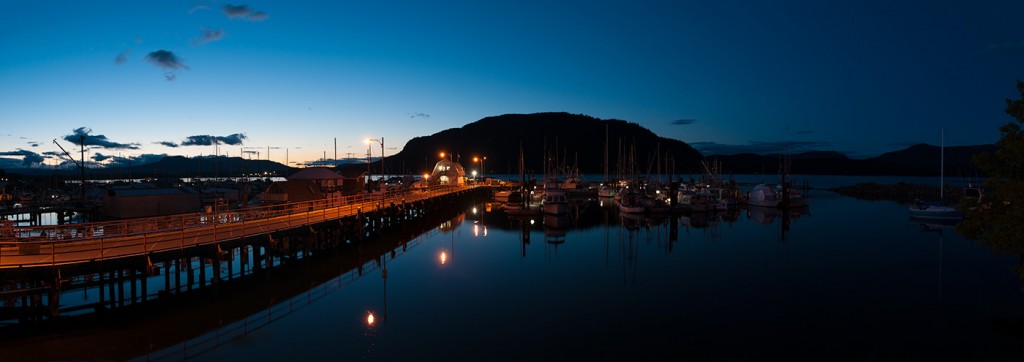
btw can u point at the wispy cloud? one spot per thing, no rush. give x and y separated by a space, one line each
121 161
99 157
28 158
122 57
197 8
683 122
419 115
207 140
208 35
82 133
243 12
166 143
166 59
758 147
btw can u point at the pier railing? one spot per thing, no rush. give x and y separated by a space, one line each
34 246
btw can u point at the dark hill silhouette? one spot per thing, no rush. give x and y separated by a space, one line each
174 166
580 141
917 160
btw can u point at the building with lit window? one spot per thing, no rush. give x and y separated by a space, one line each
447 172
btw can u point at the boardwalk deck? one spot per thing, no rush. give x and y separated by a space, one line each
53 246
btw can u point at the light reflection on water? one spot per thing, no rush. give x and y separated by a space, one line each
845 277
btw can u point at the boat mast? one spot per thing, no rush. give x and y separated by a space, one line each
606 152
942 159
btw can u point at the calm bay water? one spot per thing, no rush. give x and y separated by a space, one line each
846 279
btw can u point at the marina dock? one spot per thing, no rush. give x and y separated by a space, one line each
77 245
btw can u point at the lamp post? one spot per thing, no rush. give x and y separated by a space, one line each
445 170
383 190
481 160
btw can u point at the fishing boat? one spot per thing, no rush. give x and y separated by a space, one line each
699 201
631 202
555 201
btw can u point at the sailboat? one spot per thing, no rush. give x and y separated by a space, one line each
936 209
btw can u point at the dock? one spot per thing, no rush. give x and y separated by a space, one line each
71 245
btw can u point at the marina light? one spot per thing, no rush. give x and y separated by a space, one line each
474 209
370 319
442 154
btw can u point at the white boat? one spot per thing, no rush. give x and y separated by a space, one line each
768 196
936 210
933 210
555 202
763 195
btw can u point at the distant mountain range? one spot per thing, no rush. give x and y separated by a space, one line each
568 141
917 160
173 166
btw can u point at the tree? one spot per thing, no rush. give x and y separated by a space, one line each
997 220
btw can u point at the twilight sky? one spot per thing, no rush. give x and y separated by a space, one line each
172 77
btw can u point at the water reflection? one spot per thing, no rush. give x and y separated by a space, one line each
718 281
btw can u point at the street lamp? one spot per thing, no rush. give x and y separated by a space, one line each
481 160
382 173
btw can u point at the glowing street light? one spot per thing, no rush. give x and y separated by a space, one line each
370 319
481 160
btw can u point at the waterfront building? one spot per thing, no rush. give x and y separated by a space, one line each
448 172
147 201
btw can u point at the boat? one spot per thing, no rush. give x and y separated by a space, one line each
699 201
606 191
555 201
763 195
502 196
631 202
767 196
933 210
936 210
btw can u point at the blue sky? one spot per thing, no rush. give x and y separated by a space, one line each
859 77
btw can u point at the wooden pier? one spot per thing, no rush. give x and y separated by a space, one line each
76 245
